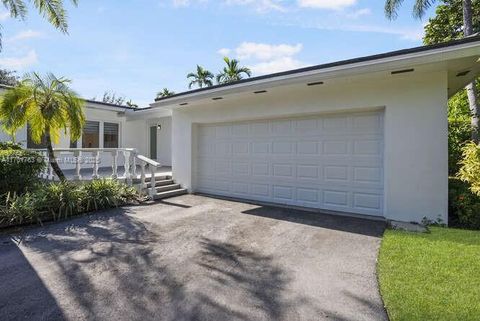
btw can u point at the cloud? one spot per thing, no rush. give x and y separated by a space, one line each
358 13
326 4
277 65
259 5
262 51
187 3
17 63
264 58
224 51
23 35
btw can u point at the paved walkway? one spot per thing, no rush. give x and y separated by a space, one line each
194 258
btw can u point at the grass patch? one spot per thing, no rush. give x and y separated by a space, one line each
431 276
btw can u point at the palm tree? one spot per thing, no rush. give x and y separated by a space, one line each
48 105
165 93
202 78
232 72
419 9
52 10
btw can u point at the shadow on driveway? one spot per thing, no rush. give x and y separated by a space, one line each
194 259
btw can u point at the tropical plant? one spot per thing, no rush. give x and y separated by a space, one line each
419 9
20 209
232 72
101 194
131 104
201 78
470 170
165 93
60 200
19 170
10 145
48 105
52 10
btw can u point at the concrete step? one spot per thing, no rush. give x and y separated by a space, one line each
157 178
166 188
162 183
175 192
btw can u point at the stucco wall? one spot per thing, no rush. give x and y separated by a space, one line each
416 142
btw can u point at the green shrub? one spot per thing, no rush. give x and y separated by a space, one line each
102 194
20 209
470 166
60 200
19 170
57 201
458 134
463 205
10 145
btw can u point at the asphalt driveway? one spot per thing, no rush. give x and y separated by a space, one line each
193 258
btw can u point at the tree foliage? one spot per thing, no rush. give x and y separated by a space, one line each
201 78
52 10
113 98
232 71
48 105
8 77
419 8
447 24
165 92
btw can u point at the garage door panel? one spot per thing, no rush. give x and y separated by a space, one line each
333 162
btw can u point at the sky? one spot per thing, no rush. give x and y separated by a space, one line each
134 48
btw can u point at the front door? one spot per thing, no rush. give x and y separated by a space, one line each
153 142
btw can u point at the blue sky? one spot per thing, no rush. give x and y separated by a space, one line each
137 47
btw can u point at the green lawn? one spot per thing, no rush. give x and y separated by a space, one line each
431 276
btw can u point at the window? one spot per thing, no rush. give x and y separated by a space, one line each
73 144
91 133
110 135
32 144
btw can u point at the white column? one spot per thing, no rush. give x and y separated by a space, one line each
128 176
95 164
153 189
142 175
114 164
78 165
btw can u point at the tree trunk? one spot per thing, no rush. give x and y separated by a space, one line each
471 87
51 156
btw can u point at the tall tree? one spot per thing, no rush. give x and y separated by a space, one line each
113 98
165 93
419 9
52 10
8 77
201 78
232 71
48 105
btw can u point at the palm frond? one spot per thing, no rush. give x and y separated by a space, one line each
17 8
421 7
391 8
54 12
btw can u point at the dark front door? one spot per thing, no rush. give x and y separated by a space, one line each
153 142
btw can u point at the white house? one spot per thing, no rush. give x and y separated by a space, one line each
364 136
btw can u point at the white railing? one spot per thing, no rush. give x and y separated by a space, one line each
131 159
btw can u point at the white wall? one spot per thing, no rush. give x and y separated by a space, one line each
137 134
416 141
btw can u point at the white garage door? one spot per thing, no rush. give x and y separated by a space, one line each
327 162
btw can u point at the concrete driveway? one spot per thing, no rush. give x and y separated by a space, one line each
193 258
